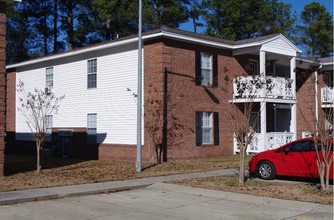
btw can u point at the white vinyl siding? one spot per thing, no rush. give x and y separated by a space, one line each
114 104
279 46
206 69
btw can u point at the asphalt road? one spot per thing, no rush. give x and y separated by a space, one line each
166 201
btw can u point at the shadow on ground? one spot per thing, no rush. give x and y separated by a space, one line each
15 163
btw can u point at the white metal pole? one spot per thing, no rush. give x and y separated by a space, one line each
316 101
139 90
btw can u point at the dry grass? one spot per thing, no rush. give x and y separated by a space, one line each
20 174
20 170
299 191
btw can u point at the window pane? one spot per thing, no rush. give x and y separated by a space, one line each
206 69
207 135
91 73
92 81
207 128
91 128
49 77
206 77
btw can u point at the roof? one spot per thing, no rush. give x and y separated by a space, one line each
164 32
323 60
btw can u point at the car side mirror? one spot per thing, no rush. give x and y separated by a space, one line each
286 151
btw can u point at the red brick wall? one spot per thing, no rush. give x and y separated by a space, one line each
2 82
185 98
306 103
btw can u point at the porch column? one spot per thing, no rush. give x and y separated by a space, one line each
293 75
263 114
263 70
293 126
263 107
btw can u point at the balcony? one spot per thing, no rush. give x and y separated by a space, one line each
271 141
251 87
327 96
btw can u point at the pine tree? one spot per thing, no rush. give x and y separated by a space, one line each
316 30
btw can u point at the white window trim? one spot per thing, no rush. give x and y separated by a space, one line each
89 73
91 128
47 81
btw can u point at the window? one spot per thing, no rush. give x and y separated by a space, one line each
255 121
253 67
48 126
91 128
49 77
207 131
206 69
303 146
91 73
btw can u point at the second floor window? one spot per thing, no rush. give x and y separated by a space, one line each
206 69
49 77
91 73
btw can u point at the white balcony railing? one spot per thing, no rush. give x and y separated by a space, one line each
262 87
271 141
276 139
327 95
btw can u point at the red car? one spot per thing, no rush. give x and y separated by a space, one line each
297 159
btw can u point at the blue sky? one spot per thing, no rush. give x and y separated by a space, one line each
297 6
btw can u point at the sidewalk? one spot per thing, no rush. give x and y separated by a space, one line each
29 195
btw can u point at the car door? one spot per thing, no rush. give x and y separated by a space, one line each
298 159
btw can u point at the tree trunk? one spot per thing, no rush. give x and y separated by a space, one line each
242 166
70 32
321 174
194 24
108 38
38 153
45 30
55 26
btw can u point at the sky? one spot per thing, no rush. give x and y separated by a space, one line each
297 6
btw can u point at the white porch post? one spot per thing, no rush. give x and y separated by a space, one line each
263 107
293 126
263 114
262 63
263 70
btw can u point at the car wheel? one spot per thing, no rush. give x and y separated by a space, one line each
265 170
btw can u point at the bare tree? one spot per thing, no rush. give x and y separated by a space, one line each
319 123
161 123
37 107
245 118
154 124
